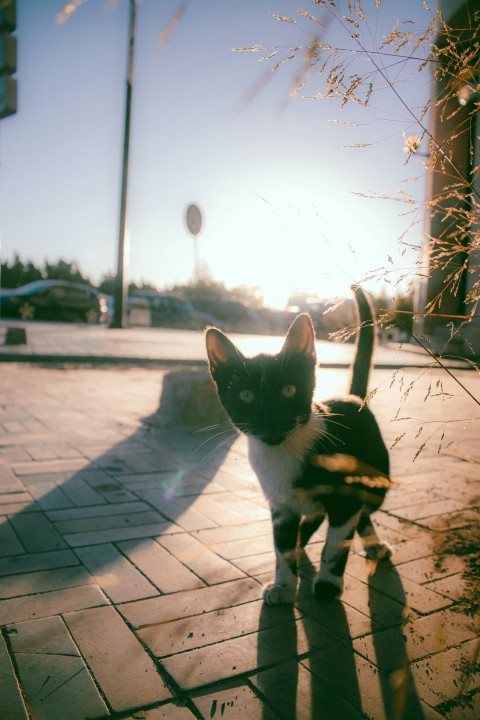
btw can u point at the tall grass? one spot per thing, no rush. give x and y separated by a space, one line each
352 69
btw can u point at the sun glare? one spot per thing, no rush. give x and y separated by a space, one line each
287 240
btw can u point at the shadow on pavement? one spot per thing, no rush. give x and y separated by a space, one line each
316 639
139 486
396 679
323 675
93 521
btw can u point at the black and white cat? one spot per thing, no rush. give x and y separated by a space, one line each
311 459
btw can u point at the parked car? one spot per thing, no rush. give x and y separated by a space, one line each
231 315
165 310
53 300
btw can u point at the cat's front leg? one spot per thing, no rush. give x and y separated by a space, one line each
285 533
328 584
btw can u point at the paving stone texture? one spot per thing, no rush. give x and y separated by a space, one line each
132 559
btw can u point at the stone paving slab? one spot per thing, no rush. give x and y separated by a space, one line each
123 669
51 671
132 561
11 700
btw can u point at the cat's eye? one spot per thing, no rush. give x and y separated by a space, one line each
247 396
288 391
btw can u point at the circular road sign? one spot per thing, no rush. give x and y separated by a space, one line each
194 219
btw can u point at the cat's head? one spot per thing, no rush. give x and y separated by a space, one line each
266 396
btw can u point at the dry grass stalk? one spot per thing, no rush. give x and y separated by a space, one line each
452 57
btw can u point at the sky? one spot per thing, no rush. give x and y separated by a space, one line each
211 126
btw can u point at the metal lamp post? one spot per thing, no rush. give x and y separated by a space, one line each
120 290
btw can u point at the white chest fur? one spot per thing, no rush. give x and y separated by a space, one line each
277 467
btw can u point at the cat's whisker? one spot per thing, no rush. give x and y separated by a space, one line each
335 422
218 447
333 442
212 427
221 431
221 437
243 427
212 437
321 434
319 430
233 438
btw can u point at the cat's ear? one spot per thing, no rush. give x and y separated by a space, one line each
221 350
300 337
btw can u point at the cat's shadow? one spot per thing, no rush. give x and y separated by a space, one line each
321 675
298 687
396 679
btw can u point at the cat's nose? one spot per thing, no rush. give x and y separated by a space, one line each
274 433
273 438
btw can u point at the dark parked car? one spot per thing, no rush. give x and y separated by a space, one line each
53 300
165 310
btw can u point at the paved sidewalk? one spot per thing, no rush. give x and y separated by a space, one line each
132 559
98 344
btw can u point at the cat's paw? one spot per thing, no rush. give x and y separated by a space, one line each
279 594
379 551
324 590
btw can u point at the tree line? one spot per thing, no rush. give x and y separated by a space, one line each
203 287
19 272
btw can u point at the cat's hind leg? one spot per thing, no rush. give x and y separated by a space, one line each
375 549
285 534
343 518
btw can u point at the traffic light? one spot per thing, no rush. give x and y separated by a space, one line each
8 58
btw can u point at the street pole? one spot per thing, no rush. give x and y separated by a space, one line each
120 290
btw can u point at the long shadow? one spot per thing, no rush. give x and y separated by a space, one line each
276 659
160 470
334 686
316 657
334 666
129 493
109 483
397 683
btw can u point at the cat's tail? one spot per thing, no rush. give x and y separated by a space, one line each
365 344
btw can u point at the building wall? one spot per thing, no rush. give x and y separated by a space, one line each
446 216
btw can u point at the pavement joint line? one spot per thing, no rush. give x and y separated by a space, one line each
142 362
